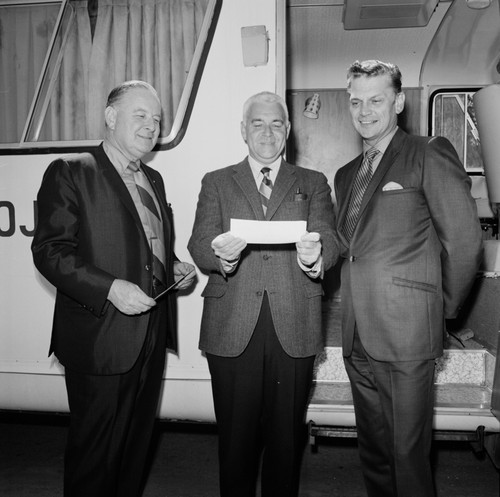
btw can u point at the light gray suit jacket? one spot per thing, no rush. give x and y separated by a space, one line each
414 253
233 301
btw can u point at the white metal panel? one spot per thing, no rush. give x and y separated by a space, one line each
28 378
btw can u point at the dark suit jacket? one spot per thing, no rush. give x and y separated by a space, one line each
414 253
232 302
89 233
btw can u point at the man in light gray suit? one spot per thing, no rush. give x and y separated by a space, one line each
261 325
411 250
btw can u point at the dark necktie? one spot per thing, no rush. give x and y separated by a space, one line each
361 182
266 187
150 218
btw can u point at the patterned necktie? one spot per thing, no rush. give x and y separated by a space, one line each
358 190
151 220
265 189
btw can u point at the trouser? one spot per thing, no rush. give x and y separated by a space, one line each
260 401
112 419
393 403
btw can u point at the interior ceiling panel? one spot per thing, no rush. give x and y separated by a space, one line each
465 49
373 14
318 45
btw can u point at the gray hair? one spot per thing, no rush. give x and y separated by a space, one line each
264 97
118 92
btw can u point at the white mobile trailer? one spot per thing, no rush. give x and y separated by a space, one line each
446 50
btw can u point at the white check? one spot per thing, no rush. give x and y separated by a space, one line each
268 231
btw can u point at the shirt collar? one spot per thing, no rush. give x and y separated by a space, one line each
115 155
257 166
382 145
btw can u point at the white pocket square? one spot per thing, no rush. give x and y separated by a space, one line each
391 186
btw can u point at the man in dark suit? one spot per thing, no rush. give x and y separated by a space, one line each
411 243
109 253
261 325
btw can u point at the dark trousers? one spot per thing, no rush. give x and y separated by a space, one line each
260 401
393 403
112 419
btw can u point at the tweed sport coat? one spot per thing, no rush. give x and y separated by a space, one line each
232 301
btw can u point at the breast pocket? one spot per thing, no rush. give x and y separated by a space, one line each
399 211
294 210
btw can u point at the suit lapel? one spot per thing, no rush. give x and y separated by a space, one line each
384 166
388 160
114 179
350 175
284 181
245 180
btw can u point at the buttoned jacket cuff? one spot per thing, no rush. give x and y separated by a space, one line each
316 271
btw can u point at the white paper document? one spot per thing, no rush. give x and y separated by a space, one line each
268 231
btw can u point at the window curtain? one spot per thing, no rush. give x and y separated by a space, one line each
152 40
142 39
25 34
66 115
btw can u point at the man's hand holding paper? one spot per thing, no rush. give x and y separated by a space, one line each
309 249
228 247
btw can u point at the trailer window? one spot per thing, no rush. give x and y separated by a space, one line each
60 59
453 117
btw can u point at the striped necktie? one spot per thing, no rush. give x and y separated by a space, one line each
266 187
358 190
151 220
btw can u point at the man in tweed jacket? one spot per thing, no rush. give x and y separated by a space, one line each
261 325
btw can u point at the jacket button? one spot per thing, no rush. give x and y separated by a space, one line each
259 294
147 267
352 258
266 257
